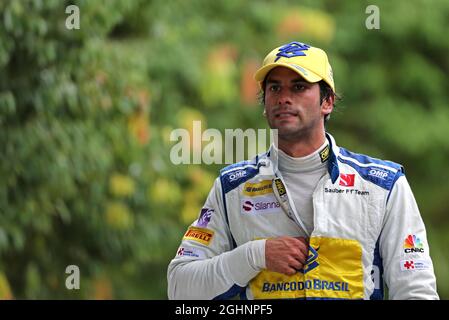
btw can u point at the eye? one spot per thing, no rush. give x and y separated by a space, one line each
274 88
299 87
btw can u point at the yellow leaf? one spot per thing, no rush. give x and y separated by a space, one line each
102 289
5 289
121 185
190 211
138 125
165 192
202 181
186 116
118 216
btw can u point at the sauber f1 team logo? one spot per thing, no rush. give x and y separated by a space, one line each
347 180
413 244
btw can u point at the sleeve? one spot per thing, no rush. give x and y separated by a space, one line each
408 268
206 266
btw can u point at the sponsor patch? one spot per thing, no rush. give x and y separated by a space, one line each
413 244
324 154
259 205
280 187
354 192
292 49
414 264
311 262
258 189
205 216
333 271
200 235
190 252
237 175
378 173
347 180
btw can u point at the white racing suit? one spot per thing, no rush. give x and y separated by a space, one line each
367 231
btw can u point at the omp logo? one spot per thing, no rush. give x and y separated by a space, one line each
258 189
347 180
324 154
311 262
200 235
261 205
381 174
237 175
280 187
413 244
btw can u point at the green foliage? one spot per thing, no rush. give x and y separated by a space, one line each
86 117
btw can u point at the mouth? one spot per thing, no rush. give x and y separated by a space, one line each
286 114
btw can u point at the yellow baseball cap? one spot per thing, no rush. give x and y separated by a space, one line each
309 62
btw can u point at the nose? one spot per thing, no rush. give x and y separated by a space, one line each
284 98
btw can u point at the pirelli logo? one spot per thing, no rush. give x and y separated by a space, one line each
280 187
200 235
258 189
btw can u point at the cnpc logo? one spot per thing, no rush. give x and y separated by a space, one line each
411 250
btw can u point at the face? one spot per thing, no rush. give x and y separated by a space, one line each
293 105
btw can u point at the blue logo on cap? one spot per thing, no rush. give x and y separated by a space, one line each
293 49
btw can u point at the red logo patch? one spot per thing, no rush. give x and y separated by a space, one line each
248 205
347 180
409 265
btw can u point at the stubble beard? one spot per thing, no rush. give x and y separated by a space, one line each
290 133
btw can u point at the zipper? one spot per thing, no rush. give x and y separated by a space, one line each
282 196
288 206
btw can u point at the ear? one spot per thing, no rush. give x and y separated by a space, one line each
328 105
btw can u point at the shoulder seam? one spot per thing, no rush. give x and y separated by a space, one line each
370 164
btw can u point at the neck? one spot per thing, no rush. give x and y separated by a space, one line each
303 146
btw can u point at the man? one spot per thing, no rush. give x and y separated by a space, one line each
308 219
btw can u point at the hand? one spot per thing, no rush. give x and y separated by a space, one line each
286 255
